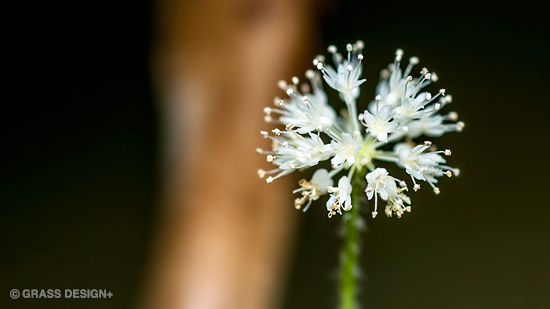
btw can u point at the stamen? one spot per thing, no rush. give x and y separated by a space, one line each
398 55
453 116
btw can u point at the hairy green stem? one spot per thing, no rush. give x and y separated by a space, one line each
349 271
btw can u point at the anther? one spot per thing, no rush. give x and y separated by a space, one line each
447 152
289 126
414 60
409 78
295 80
436 190
276 131
435 78
292 166
282 84
459 126
360 44
285 144
264 134
261 173
398 54
428 96
456 171
349 47
269 158
416 187
269 179
428 143
267 110
289 91
374 214
448 173
349 67
332 49
310 74
437 106
453 116
259 150
442 91
360 56
319 66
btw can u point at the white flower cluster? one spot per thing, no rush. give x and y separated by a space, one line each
400 113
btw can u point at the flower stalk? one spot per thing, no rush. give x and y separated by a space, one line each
352 223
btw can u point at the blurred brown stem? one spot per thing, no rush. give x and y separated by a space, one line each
224 232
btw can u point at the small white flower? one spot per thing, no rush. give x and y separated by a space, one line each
423 166
305 112
345 150
340 197
380 124
346 77
379 182
433 126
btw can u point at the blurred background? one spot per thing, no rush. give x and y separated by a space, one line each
128 137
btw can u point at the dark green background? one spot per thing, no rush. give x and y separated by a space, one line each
79 147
